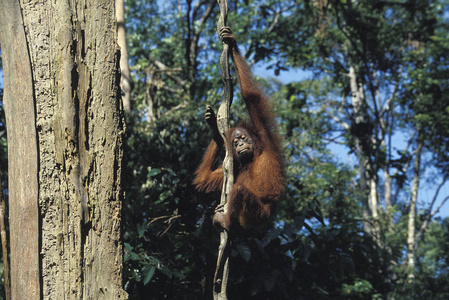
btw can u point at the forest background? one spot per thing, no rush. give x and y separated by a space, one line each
368 226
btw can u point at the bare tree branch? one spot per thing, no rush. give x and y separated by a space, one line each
431 213
162 67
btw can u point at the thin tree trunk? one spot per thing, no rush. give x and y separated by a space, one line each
368 184
388 199
125 79
412 214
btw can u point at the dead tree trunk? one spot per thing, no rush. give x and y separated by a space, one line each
65 127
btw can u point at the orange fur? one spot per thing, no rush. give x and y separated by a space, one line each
259 183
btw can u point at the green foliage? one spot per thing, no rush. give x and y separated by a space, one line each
361 289
315 247
426 95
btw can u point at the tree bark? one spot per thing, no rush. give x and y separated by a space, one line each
368 184
65 148
411 241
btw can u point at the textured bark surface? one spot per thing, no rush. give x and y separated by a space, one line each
78 124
